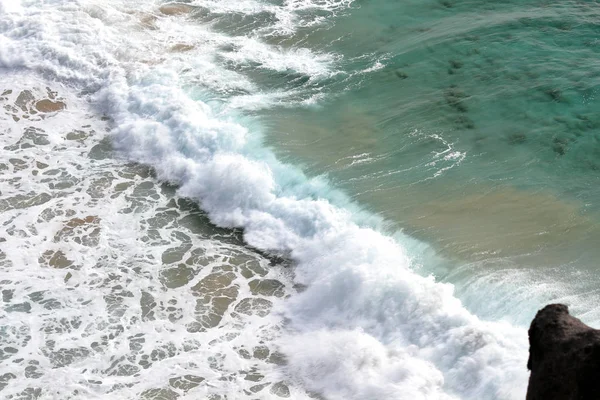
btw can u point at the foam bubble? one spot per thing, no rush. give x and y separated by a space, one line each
353 364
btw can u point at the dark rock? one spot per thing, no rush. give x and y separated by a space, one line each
564 357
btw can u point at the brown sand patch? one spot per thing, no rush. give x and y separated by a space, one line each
155 61
48 106
148 21
26 105
75 222
501 222
83 231
176 9
181 48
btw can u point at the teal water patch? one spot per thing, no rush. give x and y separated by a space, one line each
514 85
473 126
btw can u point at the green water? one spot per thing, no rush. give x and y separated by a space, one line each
479 134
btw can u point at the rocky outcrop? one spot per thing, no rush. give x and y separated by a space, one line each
564 357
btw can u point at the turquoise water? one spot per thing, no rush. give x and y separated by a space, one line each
478 130
512 86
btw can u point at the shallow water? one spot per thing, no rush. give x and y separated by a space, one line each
173 220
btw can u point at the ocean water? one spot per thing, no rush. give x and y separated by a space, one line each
264 199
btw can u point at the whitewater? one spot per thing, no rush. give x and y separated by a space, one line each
157 84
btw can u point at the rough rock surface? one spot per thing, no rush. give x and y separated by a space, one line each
564 357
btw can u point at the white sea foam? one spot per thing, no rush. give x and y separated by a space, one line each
110 285
286 15
367 326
